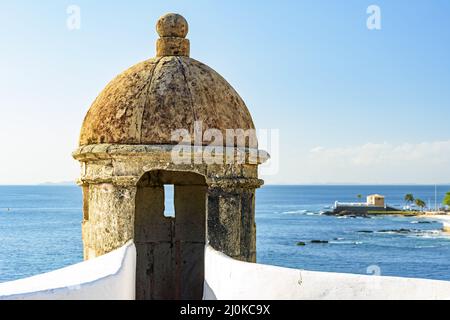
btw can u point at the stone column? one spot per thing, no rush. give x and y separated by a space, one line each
248 225
224 221
108 215
231 220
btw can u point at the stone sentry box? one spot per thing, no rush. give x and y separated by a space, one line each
126 155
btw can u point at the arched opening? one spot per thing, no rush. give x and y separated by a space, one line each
170 250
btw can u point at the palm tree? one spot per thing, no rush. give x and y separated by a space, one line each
409 198
359 196
420 203
446 201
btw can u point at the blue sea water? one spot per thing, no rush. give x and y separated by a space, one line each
40 231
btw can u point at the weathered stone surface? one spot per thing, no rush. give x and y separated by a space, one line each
126 156
108 225
116 114
248 226
182 238
146 103
122 201
172 25
130 162
172 47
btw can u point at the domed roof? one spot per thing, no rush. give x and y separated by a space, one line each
146 103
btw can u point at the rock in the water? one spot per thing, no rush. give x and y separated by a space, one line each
396 231
319 241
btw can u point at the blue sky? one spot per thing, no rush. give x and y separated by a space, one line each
353 105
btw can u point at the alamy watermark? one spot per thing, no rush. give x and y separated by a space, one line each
374 270
73 21
374 19
230 146
373 283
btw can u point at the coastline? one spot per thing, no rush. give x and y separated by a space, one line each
443 218
284 216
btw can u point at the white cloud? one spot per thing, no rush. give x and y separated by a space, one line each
427 162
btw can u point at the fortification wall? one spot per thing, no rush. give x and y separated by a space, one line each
113 277
226 278
110 277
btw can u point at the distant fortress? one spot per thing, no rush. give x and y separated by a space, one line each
375 203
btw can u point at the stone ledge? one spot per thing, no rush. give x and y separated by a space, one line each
110 151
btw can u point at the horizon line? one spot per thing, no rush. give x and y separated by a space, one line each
69 183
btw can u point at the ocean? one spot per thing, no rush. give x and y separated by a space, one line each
40 231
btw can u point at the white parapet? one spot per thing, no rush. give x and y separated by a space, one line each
110 277
228 279
352 204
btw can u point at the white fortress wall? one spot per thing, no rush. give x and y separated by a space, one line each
226 278
110 277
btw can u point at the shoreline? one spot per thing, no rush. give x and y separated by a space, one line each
442 218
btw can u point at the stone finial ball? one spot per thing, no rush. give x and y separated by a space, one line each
172 25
